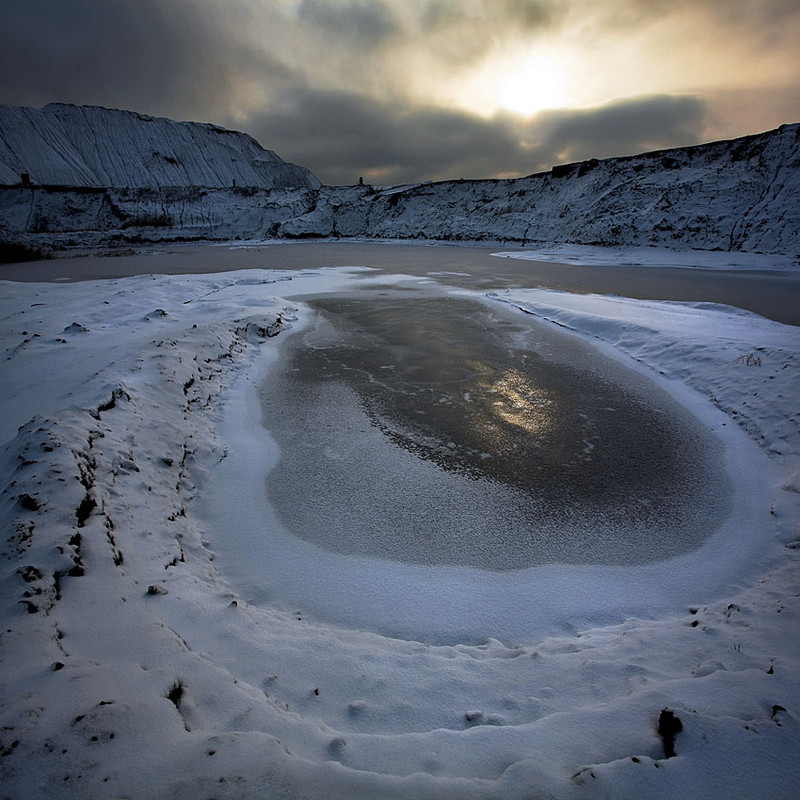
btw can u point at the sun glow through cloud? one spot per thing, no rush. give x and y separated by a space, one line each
423 89
536 84
523 83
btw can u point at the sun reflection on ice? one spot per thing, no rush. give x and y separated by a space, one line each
521 403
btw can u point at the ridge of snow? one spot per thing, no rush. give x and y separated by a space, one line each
68 145
734 196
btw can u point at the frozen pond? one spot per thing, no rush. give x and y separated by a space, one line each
519 502
429 429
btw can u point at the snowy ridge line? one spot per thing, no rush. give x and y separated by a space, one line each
95 452
733 196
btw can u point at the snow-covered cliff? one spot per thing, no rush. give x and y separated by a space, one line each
742 194
67 145
737 195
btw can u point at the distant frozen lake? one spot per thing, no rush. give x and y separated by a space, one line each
772 294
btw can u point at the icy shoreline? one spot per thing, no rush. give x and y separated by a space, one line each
145 672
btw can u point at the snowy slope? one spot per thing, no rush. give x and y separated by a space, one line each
734 195
738 195
69 145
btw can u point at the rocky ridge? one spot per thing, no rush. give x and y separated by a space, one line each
736 195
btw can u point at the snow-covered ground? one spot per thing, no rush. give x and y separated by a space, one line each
132 664
653 257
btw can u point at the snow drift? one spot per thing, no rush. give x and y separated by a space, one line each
737 195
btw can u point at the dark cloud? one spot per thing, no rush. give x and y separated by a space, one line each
461 32
764 24
344 136
527 15
363 23
619 128
262 67
752 19
163 56
759 11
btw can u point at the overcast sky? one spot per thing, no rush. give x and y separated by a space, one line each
407 90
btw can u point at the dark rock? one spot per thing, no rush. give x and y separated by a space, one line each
669 726
84 510
28 503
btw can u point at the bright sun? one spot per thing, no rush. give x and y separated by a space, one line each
522 82
533 85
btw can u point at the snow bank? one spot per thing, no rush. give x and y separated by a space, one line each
131 665
652 257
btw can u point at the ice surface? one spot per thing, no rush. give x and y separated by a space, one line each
142 418
653 257
427 428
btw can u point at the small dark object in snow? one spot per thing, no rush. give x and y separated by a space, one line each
156 588
336 746
58 665
28 503
88 504
668 727
29 574
175 695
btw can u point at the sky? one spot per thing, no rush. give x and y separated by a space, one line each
409 90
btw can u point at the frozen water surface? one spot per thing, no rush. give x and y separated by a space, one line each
442 467
430 429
